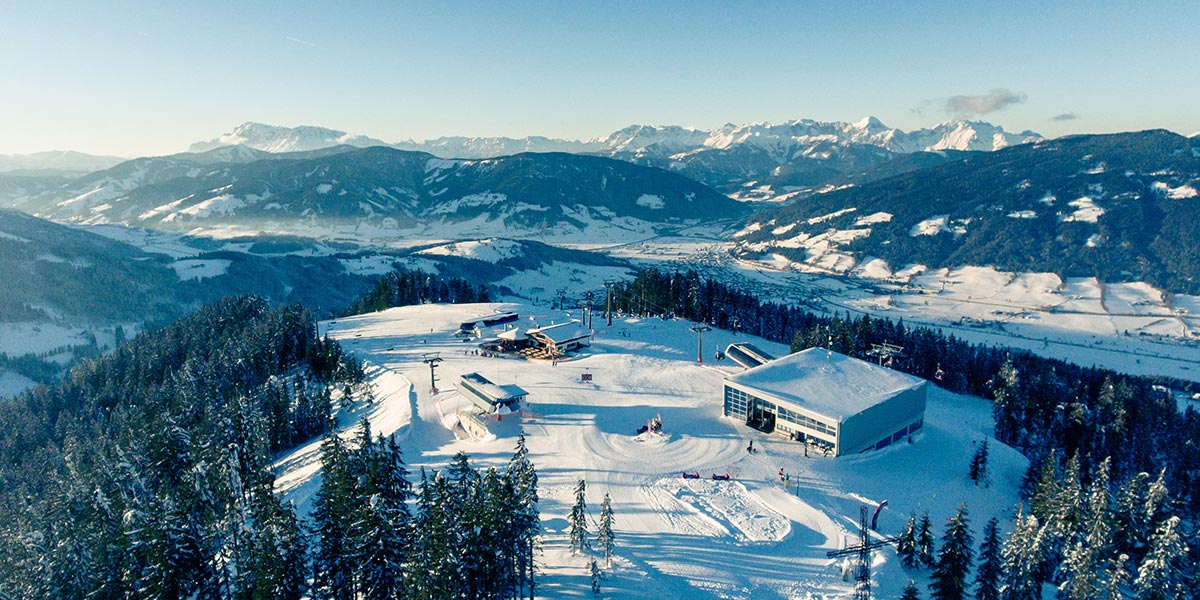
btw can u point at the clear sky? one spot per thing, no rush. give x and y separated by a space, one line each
136 78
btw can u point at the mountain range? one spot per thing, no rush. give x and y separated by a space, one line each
379 187
1120 207
755 160
55 162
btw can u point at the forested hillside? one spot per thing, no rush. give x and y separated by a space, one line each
146 473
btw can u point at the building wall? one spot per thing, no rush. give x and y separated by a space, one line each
893 419
867 429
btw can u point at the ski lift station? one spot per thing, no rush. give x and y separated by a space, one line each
490 397
832 401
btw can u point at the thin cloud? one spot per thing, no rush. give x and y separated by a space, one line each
997 99
301 42
1065 117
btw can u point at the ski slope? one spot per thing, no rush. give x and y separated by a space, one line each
751 537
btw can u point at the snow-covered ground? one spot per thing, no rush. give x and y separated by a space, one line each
752 537
1131 328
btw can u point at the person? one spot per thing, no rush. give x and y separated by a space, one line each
781 473
750 448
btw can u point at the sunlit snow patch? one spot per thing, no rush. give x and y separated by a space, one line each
1086 211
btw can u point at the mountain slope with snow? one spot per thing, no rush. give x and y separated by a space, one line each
1119 207
273 138
57 161
388 190
753 536
796 154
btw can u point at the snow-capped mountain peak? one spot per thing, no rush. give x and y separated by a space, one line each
274 138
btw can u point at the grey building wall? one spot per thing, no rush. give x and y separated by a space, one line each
865 429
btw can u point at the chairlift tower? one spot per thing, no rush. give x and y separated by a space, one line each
700 329
608 285
562 298
432 359
587 307
862 570
885 352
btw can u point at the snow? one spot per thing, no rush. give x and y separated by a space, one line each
1182 192
377 264
197 269
650 201
931 226
1086 211
12 383
9 236
832 215
324 188
490 250
751 537
223 204
38 338
1023 214
873 218
828 383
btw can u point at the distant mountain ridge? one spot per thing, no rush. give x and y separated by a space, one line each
56 161
1120 207
767 159
384 188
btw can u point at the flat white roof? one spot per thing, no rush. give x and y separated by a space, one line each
562 332
832 384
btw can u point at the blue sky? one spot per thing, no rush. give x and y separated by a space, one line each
133 78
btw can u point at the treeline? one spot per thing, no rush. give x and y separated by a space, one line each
473 535
1085 534
1041 404
147 473
405 287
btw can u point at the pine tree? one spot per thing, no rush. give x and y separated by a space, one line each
1115 577
1081 579
1021 557
979 464
988 578
595 572
578 533
906 545
604 533
910 591
925 542
1160 576
333 569
381 532
949 577
523 478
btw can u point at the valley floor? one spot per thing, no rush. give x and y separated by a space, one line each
751 537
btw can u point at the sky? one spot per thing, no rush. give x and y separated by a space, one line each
142 78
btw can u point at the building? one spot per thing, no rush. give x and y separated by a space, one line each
488 396
747 355
557 340
841 404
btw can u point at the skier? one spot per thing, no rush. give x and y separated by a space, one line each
750 448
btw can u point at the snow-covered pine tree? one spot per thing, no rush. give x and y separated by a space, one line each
1161 575
925 541
604 532
578 532
595 573
988 577
333 568
977 471
1115 577
1080 569
381 532
523 478
1021 557
949 577
906 545
1132 532
910 591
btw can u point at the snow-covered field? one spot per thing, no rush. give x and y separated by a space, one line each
752 537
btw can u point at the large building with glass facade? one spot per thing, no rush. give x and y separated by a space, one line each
832 401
